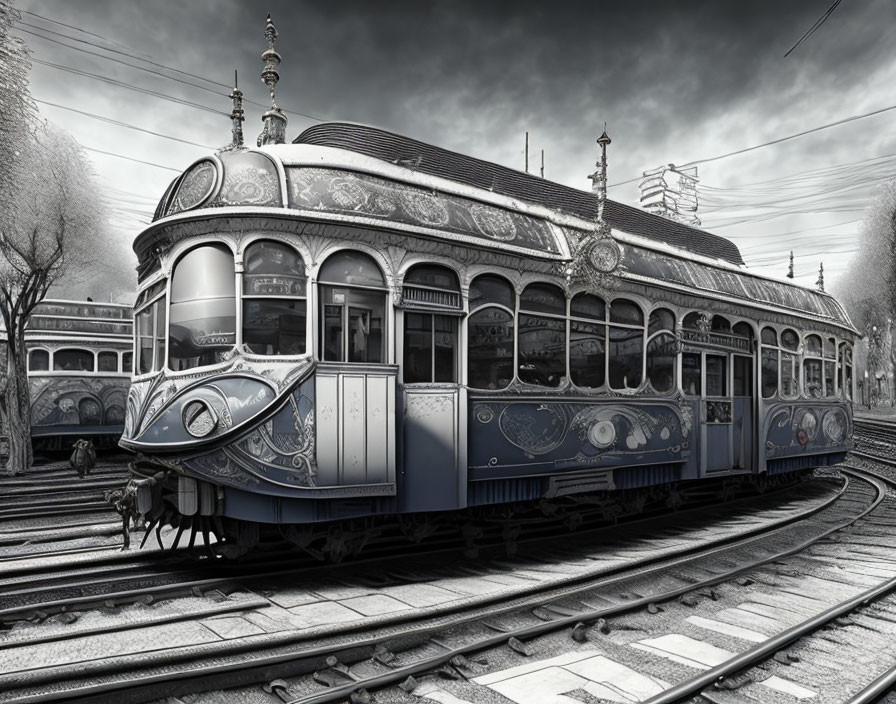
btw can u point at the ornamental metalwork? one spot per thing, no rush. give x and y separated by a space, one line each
195 187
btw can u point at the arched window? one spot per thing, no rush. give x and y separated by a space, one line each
73 360
107 361
38 361
790 342
430 338
720 324
626 345
542 335
250 178
203 308
661 350
587 341
490 332
274 308
353 309
813 382
830 366
770 361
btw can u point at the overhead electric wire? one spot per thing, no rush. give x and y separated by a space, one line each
130 158
157 73
814 27
122 53
118 123
77 29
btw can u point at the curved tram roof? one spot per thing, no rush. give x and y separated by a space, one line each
368 176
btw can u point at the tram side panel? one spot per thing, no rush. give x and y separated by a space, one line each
804 434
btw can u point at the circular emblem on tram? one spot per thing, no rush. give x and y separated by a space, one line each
834 425
604 255
602 434
199 418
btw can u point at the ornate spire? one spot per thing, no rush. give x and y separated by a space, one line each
274 120
820 282
236 116
790 268
596 254
599 177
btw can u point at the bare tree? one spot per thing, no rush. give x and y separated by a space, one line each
51 225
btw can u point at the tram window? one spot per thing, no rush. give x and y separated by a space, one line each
203 308
161 328
769 337
716 375
690 374
813 345
661 355
626 357
626 312
38 361
813 382
790 340
743 376
542 350
127 362
354 305
488 289
542 339
250 178
845 360
107 361
789 378
830 371
660 319
490 354
769 372
144 341
73 360
431 285
586 305
587 353
274 317
720 324
430 348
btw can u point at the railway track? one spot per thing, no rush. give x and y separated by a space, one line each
235 632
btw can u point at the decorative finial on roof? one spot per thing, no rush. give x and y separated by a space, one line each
236 116
820 282
790 268
274 120
595 254
599 177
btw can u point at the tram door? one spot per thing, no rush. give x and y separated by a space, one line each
726 409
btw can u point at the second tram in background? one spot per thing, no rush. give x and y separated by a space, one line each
359 324
79 369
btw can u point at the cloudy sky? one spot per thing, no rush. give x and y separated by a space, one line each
676 82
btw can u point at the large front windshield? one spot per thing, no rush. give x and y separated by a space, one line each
202 323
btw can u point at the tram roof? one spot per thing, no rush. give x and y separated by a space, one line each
436 161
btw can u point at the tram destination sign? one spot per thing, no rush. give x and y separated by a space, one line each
715 339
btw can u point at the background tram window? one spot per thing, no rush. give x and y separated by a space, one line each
107 361
73 361
716 375
38 361
690 374
769 372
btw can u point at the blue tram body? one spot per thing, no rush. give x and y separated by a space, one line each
358 323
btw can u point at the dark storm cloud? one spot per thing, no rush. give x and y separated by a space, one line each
675 81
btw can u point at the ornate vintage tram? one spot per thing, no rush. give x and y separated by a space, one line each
79 371
359 323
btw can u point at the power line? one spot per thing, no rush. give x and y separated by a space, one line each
814 27
77 29
123 53
122 84
122 124
129 158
